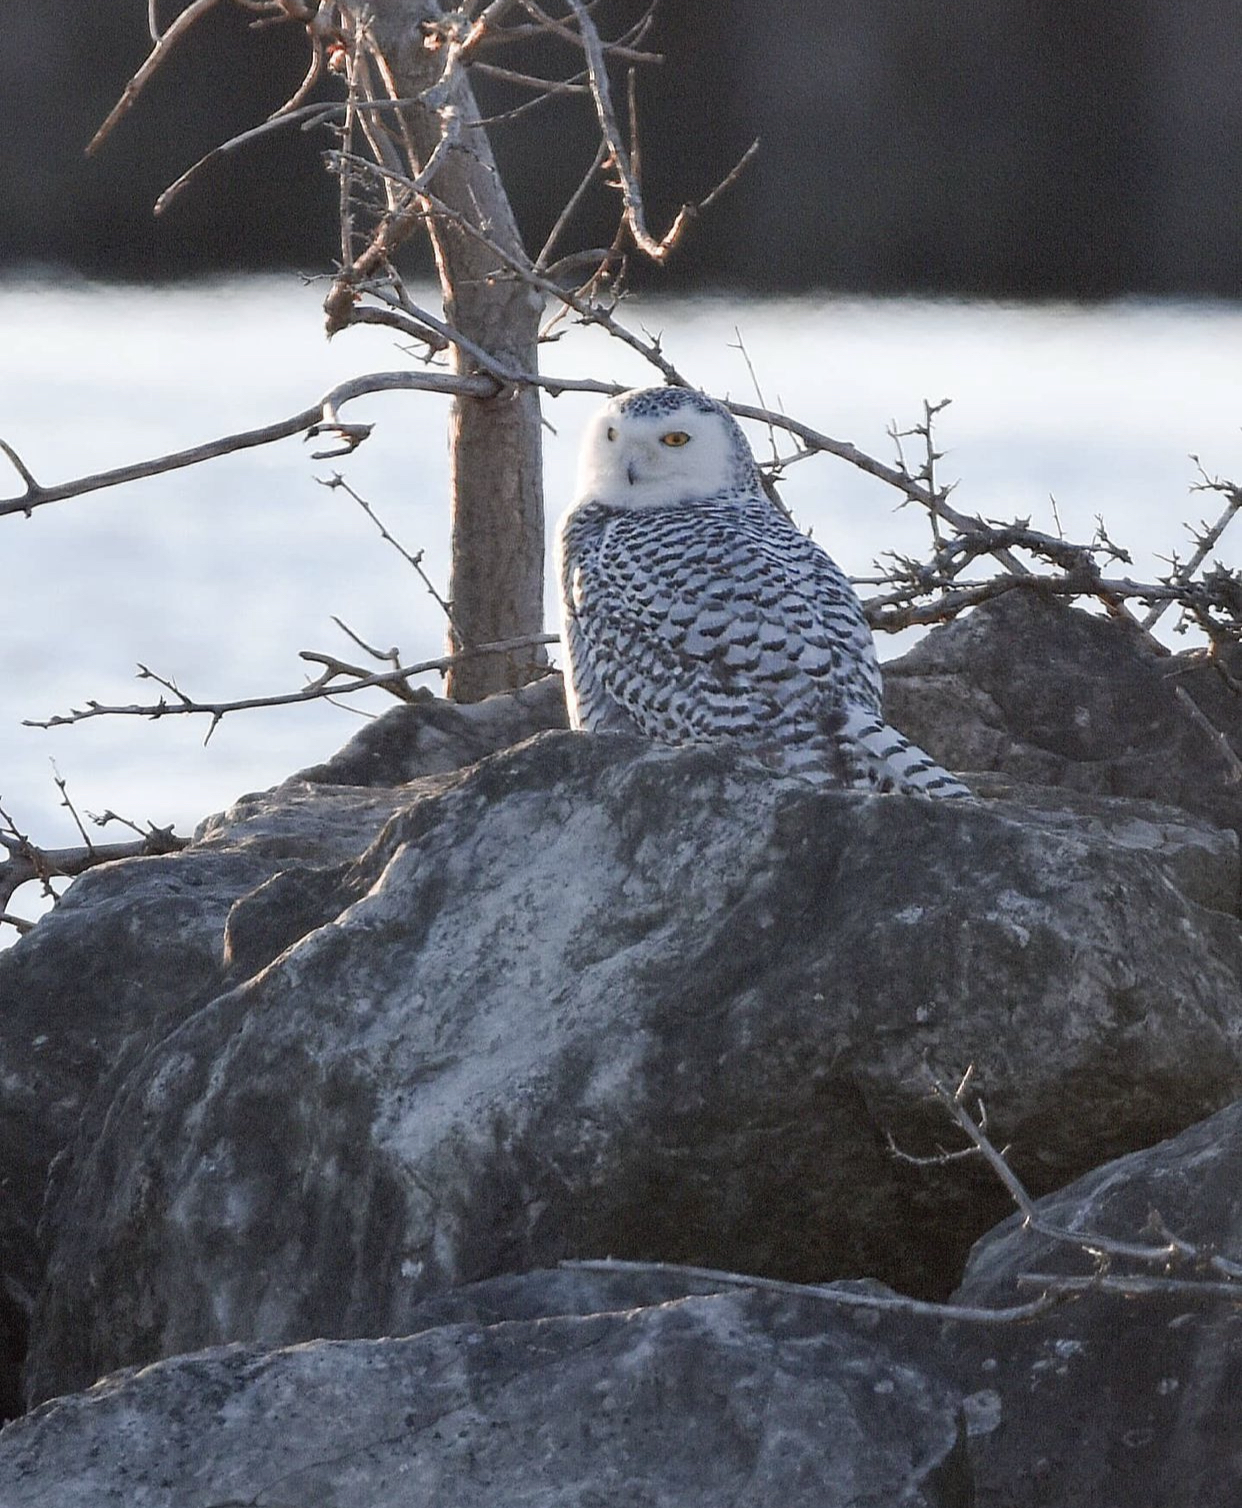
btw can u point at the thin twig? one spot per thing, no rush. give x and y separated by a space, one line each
314 72
570 207
1132 1286
314 690
530 81
658 250
27 861
163 46
62 786
1207 541
1164 1254
385 656
338 483
845 1298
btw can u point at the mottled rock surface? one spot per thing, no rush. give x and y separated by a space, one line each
388 1039
1056 696
734 1398
1109 1402
592 997
132 948
432 736
136 946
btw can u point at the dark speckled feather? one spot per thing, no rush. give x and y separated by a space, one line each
715 618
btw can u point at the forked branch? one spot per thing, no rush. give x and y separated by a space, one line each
27 861
1167 1252
335 680
1204 1276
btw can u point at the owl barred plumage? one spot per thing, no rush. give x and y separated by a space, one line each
694 611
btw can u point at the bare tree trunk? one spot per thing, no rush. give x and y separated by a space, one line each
496 582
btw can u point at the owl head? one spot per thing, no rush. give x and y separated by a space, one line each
656 447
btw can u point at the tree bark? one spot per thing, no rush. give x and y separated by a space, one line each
497 524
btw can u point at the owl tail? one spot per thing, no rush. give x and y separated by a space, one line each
879 758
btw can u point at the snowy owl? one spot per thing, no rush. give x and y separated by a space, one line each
693 611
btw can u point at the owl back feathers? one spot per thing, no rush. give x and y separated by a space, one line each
714 618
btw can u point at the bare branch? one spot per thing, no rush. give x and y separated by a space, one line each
845 1298
334 667
63 787
306 117
387 656
1206 541
1131 1286
590 311
27 861
548 87
314 72
1166 1253
163 46
311 421
398 319
570 207
23 471
729 179
631 193
322 686
546 25
488 21
338 482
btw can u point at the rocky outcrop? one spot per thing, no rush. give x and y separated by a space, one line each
596 997
693 1401
136 947
1051 695
387 1041
1108 1402
133 948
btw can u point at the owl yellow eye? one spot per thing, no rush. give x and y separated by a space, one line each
612 434
675 438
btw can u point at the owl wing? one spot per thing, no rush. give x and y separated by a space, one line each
714 621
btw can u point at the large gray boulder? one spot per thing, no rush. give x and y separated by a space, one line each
1107 1402
592 996
737 1398
131 949
1052 695
135 947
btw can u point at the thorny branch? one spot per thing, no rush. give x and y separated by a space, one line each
1205 541
336 679
1165 1251
1185 1271
917 592
27 861
337 482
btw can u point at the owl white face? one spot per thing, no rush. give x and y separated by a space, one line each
650 450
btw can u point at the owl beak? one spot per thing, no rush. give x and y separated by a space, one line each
639 460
